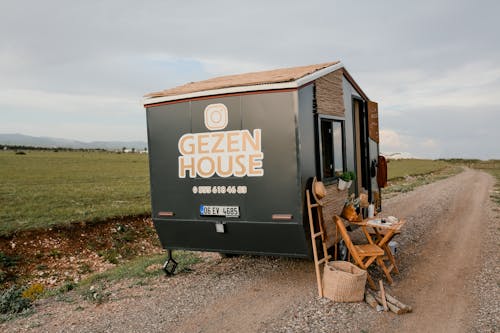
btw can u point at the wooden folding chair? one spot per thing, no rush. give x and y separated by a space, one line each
363 255
377 235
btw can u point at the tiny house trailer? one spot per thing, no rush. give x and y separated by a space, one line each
231 157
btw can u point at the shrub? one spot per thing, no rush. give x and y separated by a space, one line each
110 255
12 300
33 292
96 294
7 261
67 286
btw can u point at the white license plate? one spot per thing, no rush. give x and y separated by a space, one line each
226 211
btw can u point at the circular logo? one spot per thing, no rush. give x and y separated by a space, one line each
216 116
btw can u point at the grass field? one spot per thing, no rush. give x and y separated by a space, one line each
405 175
493 167
398 169
44 188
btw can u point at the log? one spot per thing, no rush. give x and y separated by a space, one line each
395 309
393 300
382 295
371 300
391 306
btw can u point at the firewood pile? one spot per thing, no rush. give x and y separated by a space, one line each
382 301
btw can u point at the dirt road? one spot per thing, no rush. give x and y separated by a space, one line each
441 255
439 280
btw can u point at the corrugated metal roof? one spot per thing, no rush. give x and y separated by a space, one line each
270 77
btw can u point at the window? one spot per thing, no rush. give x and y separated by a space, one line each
332 147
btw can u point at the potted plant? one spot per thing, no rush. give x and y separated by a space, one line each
345 180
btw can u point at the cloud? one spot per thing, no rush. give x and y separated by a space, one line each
81 117
431 65
392 141
67 103
445 132
78 130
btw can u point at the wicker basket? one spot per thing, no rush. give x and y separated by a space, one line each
343 282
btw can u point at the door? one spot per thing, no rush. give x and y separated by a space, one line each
362 146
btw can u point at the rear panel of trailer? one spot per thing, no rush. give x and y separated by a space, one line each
270 217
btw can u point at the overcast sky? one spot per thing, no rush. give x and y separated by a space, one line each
79 70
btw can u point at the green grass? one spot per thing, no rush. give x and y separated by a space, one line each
406 175
140 267
43 188
398 169
493 167
138 270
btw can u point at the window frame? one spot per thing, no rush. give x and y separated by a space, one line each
319 137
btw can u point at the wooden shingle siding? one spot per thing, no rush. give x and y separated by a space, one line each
333 204
329 95
373 121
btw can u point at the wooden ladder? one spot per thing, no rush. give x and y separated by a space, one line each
321 233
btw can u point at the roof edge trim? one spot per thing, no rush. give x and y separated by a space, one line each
223 91
258 87
322 72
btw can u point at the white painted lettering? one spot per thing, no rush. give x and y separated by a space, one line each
226 154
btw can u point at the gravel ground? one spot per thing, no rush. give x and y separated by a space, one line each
263 294
421 208
487 283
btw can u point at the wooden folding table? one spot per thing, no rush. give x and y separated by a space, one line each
383 233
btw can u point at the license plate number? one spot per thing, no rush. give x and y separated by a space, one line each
226 211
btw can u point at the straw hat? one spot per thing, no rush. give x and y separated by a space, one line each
318 190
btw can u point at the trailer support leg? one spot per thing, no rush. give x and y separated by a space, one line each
170 265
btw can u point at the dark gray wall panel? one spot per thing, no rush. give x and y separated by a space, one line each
165 123
277 191
306 134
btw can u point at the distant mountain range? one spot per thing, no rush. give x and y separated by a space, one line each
49 142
